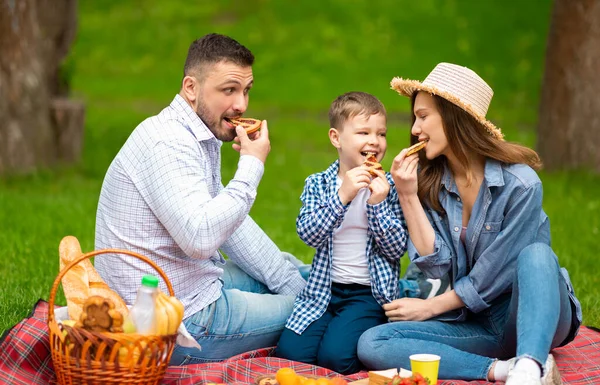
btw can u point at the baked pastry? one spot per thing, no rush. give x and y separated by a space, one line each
267 381
99 315
416 147
372 164
250 125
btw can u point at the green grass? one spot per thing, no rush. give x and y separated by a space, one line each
126 65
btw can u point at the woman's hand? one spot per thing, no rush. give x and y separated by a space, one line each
408 309
404 173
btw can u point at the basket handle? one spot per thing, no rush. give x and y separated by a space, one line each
93 254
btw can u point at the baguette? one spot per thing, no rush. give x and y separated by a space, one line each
83 281
250 125
416 148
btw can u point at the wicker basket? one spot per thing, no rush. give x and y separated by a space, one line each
84 357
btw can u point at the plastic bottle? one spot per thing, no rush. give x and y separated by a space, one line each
142 313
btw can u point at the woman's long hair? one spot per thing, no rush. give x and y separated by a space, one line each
466 136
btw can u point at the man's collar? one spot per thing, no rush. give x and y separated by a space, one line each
192 120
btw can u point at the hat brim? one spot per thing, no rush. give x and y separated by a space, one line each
408 87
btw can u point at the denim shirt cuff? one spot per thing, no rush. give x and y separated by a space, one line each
466 291
433 265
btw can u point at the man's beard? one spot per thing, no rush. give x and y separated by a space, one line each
214 124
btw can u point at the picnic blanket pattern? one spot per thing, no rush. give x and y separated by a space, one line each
25 359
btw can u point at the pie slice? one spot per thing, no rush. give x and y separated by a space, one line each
416 148
372 164
250 125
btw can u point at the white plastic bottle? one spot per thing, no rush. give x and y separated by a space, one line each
143 312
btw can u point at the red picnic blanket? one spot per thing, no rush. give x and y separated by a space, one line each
25 359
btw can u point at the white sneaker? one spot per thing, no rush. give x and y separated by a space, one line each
521 377
551 373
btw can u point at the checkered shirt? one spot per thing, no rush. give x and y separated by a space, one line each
163 197
321 213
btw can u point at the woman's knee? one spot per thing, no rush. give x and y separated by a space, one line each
538 257
370 344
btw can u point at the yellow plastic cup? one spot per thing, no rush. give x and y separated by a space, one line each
427 365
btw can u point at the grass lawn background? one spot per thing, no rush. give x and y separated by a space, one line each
127 65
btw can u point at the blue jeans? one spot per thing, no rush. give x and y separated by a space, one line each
528 322
247 316
331 340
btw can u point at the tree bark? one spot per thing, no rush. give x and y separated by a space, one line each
569 124
35 36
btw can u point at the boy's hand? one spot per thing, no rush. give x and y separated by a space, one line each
380 188
258 146
353 181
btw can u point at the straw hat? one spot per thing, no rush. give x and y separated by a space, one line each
458 85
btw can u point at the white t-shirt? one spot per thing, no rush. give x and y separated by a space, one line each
350 263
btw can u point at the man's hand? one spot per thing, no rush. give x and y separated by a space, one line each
353 181
380 188
408 309
259 146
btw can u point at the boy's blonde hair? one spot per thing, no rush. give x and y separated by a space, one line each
354 103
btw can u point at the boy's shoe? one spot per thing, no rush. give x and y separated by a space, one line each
521 377
428 287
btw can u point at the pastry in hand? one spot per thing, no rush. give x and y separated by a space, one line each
249 124
416 148
373 166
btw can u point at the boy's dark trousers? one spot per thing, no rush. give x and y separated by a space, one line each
331 340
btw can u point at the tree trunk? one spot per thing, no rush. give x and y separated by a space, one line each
569 124
35 36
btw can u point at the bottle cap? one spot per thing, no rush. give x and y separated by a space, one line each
150 281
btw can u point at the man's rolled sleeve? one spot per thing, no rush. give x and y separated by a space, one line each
249 172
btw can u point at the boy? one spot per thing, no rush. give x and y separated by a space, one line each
354 221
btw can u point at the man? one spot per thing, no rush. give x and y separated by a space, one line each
163 197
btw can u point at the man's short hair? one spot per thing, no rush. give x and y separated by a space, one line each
350 104
214 48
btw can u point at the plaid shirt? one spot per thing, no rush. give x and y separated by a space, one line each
163 197
322 212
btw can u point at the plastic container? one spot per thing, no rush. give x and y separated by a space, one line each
143 312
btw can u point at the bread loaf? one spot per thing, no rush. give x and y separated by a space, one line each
83 281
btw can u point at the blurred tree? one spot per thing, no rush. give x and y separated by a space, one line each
569 124
38 125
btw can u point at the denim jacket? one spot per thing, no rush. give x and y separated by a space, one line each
507 216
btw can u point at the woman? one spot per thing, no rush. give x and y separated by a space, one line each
473 207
